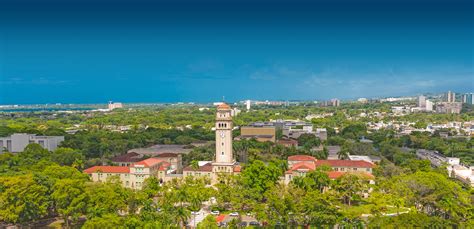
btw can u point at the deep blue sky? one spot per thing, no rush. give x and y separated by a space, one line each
91 51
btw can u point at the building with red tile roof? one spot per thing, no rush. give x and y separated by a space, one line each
345 164
108 169
301 158
102 173
134 175
299 165
174 159
127 159
150 162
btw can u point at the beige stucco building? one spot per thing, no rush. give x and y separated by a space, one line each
133 176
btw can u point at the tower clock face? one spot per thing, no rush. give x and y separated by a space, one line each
222 134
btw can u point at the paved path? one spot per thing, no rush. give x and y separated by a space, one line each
196 219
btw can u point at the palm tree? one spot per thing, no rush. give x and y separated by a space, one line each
78 164
342 154
195 165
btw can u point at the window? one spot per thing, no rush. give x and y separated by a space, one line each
9 145
222 153
223 144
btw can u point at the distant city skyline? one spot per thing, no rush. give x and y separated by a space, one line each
187 51
440 96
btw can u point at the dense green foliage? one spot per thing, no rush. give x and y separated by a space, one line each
37 184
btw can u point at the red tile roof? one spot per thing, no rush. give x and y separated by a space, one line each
301 158
129 157
335 174
167 155
220 218
302 166
345 163
164 166
150 162
223 106
108 169
205 168
237 168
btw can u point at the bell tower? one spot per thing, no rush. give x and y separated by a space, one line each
224 135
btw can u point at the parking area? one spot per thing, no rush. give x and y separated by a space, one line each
241 220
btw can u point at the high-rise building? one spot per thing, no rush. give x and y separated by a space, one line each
429 105
450 97
467 98
335 102
247 103
449 108
421 101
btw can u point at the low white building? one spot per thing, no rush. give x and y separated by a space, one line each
17 142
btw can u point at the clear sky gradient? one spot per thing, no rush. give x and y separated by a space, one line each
92 51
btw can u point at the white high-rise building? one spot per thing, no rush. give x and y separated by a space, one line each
421 101
450 97
247 103
428 105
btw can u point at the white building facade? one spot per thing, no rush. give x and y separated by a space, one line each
17 142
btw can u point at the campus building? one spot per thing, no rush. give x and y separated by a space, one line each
224 162
300 165
134 175
17 142
260 133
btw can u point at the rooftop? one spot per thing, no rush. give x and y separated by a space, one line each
205 168
223 106
128 157
108 169
301 158
149 162
167 155
345 163
305 166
